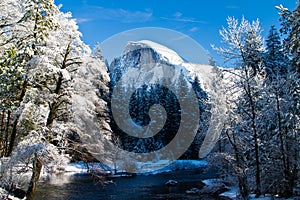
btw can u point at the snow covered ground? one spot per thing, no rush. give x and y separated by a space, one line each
81 167
4 195
232 193
181 165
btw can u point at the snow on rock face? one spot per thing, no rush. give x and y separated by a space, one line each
164 53
137 56
145 58
145 63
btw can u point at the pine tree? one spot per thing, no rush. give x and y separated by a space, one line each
97 53
275 60
291 28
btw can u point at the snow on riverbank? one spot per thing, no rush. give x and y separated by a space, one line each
70 170
233 194
81 167
233 191
177 165
4 195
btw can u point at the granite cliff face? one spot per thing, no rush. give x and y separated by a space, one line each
150 68
144 57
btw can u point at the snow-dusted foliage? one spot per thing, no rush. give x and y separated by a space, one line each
32 146
41 49
245 49
291 28
55 99
88 102
260 123
275 60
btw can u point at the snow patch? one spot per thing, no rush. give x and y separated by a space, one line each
165 53
83 168
211 181
4 195
232 193
176 165
78 167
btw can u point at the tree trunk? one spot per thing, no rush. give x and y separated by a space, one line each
257 163
255 136
52 113
242 178
287 185
243 186
280 132
6 133
2 133
14 131
12 137
36 171
54 106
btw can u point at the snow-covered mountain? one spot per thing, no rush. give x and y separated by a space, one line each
148 63
144 58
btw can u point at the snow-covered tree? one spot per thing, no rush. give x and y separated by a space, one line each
244 47
97 53
262 114
275 61
51 71
40 53
290 26
24 29
277 104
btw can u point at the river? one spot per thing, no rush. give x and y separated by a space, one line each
82 186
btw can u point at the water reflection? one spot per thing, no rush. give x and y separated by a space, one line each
82 186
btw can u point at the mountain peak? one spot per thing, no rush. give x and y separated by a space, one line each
164 52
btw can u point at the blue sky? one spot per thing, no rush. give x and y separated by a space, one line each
201 20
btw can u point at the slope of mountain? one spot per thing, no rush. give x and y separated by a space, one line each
144 65
163 52
144 55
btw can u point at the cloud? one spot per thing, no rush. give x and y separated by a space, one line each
119 14
194 29
83 20
178 16
184 20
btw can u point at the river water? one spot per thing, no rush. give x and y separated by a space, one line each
82 186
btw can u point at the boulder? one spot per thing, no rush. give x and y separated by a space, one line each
193 191
214 189
171 183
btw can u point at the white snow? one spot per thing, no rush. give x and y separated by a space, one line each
210 181
231 193
176 165
166 54
81 167
77 167
4 195
151 72
203 72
